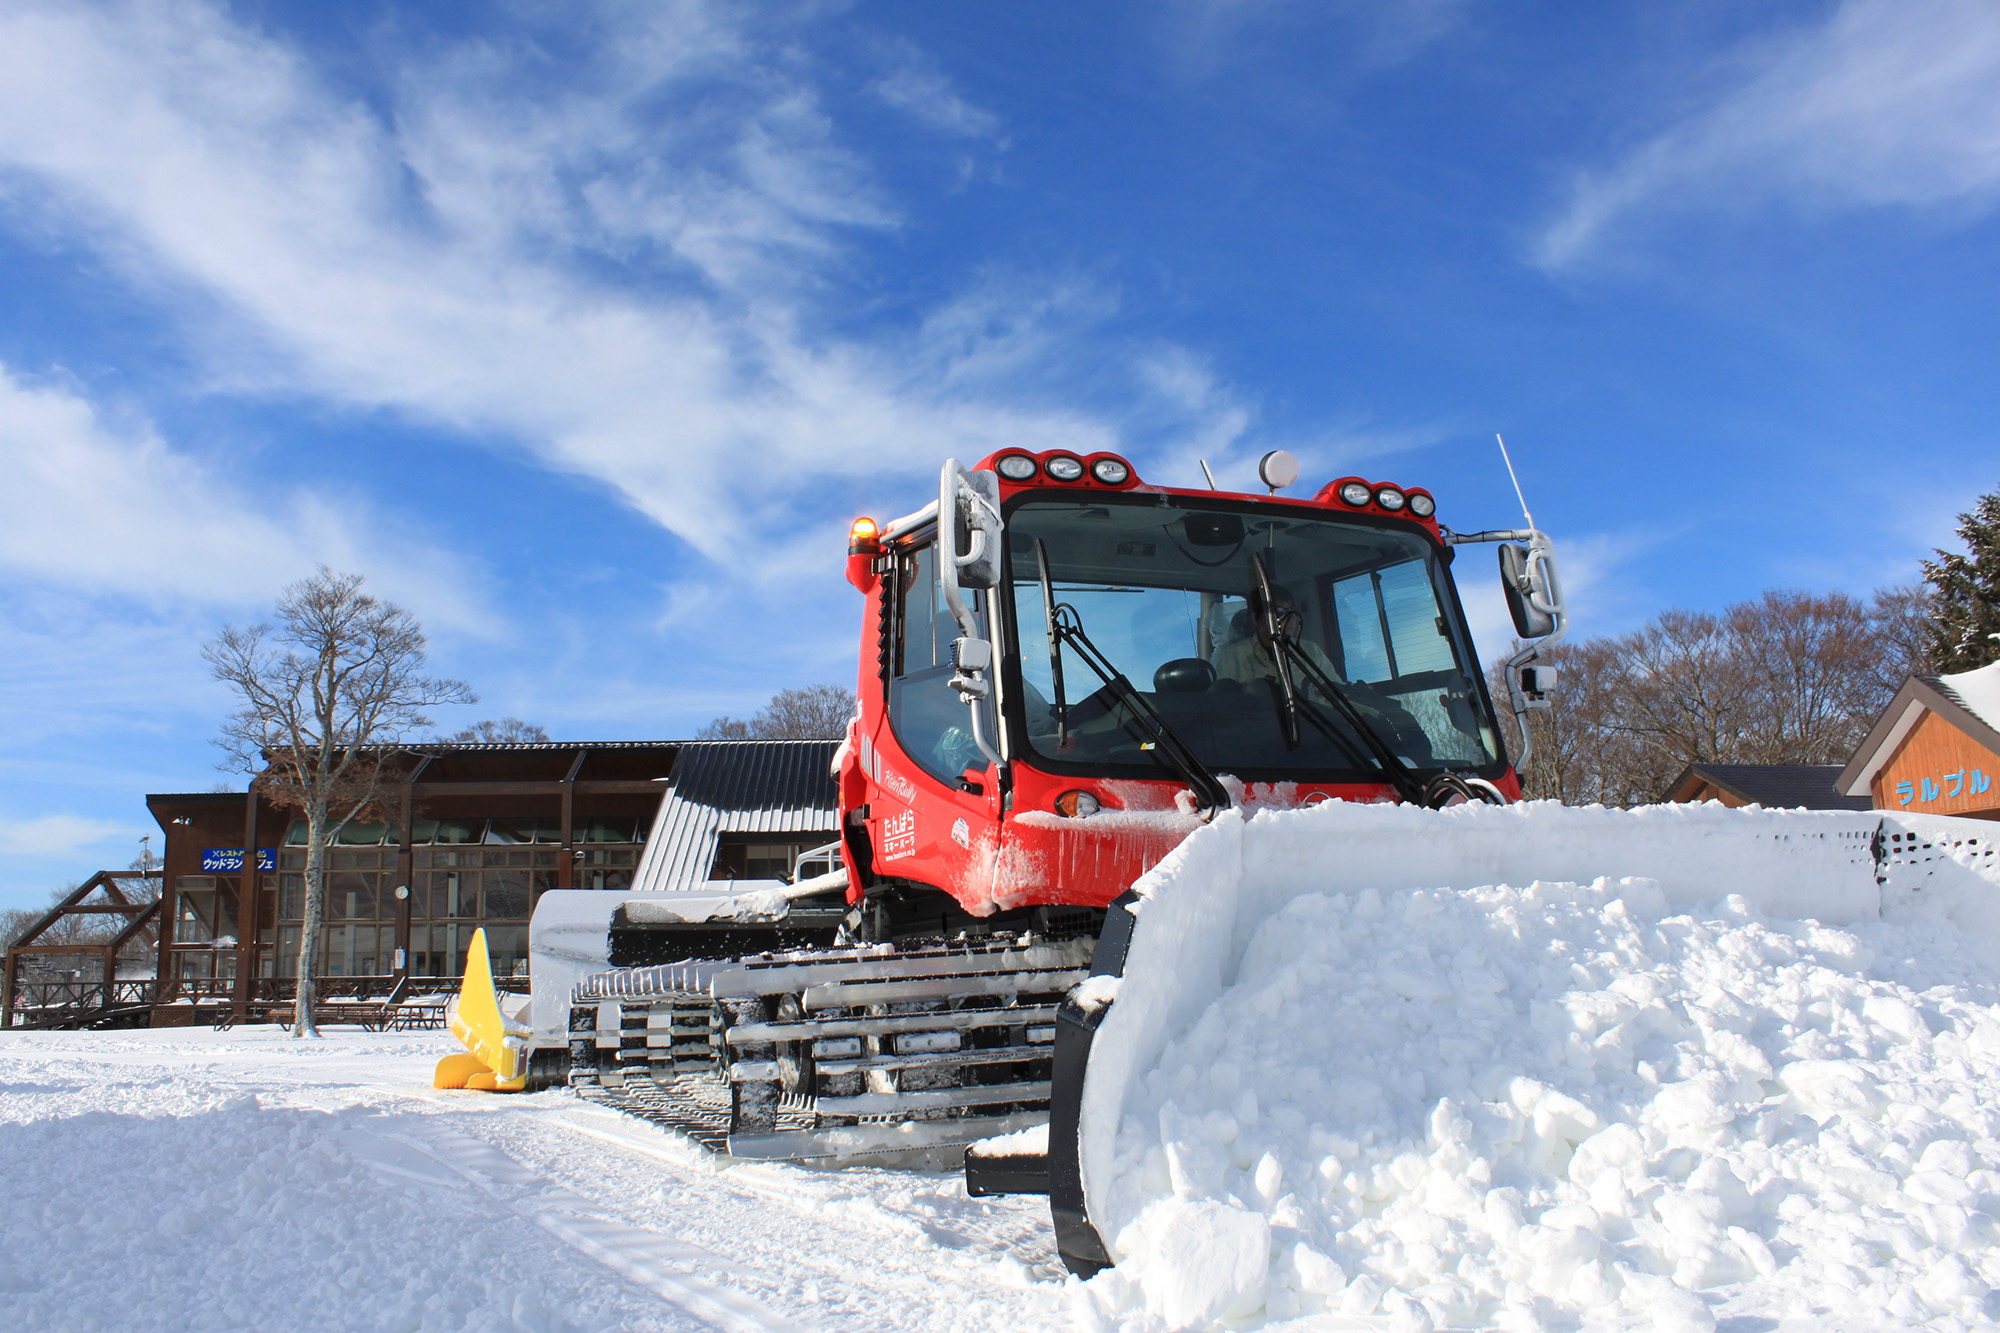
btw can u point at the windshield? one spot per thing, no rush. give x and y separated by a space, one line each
1163 590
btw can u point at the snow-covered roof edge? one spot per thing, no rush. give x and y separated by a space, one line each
1978 716
1978 691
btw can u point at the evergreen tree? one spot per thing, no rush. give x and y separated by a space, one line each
1965 592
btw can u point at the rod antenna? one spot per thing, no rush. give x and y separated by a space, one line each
1206 473
1516 480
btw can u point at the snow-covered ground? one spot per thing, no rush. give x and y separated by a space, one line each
188 1179
1353 1100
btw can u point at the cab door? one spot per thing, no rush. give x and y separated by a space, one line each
934 825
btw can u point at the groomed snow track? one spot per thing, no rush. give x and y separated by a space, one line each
870 1052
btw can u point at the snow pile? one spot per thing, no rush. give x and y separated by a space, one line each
1564 1103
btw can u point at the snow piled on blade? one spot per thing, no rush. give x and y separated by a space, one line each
1528 1102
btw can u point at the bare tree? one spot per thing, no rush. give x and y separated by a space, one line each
506 731
816 712
1815 679
328 697
1787 678
1582 755
1901 617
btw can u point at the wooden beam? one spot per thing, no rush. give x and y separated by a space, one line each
55 914
124 936
170 915
566 858
249 888
406 876
589 786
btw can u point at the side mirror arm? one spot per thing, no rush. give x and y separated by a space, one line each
969 505
1540 590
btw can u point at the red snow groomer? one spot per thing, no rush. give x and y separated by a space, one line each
1064 672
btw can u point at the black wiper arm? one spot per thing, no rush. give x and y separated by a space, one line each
1055 643
1209 793
1279 634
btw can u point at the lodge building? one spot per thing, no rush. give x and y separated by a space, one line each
1935 749
476 834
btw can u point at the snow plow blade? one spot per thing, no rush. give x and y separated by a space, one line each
496 1056
1173 944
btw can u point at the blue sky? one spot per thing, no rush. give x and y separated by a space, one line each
583 329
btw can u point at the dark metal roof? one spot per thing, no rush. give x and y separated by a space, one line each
1775 786
769 787
462 746
757 775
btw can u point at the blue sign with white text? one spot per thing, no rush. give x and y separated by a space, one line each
231 858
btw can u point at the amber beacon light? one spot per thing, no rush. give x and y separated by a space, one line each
864 537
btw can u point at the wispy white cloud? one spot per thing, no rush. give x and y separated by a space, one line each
58 835
1206 419
629 294
105 506
1884 103
918 88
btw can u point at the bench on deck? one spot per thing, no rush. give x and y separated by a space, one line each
369 1015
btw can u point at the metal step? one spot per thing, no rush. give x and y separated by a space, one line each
1005 984
933 1099
778 978
992 1055
750 1034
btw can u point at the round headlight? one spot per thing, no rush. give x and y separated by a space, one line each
1110 471
1355 493
1422 505
1389 498
1063 468
1077 804
1016 467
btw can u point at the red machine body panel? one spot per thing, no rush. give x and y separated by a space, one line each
994 845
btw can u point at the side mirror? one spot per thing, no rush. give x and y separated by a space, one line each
1534 597
975 528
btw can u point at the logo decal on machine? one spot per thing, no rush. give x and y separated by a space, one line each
899 835
961 835
903 788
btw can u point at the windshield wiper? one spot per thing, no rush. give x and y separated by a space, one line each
1055 644
1278 632
1066 627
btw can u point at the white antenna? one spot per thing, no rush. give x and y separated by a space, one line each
1516 480
1206 473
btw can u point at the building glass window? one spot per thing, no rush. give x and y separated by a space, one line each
464 874
207 909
